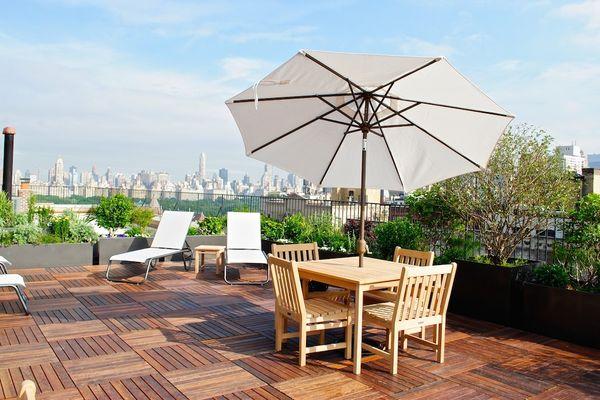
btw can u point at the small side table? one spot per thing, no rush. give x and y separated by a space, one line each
217 251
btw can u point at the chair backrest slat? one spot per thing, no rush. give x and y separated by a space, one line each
286 283
413 257
296 252
424 291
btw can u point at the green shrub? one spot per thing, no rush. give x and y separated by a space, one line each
44 216
7 213
114 212
60 227
554 275
399 232
135 231
31 208
71 229
212 225
141 217
49 238
26 233
297 229
458 248
271 229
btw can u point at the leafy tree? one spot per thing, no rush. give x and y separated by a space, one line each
114 212
579 254
523 186
271 228
212 225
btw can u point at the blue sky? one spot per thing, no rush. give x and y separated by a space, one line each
138 84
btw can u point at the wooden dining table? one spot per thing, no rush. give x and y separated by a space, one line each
345 273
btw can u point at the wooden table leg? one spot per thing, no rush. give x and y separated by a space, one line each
219 260
305 288
358 306
197 262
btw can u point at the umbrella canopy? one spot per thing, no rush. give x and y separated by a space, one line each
319 114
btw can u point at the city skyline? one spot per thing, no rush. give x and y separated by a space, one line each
152 85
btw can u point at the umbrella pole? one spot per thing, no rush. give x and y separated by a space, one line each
362 244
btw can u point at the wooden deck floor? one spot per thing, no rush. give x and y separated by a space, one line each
177 337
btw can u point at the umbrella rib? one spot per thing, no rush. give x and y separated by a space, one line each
340 144
300 127
299 97
394 126
427 64
449 106
379 102
348 124
397 113
333 106
388 146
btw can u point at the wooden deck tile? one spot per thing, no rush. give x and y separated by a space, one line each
236 347
213 380
148 387
272 368
445 390
262 393
49 378
180 356
74 330
19 355
52 304
106 368
74 349
128 323
62 315
148 338
214 328
20 335
333 385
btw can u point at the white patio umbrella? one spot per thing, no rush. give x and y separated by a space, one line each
368 121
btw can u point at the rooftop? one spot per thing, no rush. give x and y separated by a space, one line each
177 337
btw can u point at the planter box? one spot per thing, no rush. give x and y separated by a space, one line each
49 255
107 247
484 291
561 313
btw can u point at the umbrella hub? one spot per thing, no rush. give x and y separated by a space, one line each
365 127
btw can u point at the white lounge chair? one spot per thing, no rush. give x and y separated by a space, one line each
170 239
14 281
244 244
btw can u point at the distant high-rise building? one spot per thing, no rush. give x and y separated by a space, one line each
246 180
58 173
224 174
73 176
202 167
573 157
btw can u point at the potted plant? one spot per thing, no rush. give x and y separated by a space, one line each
523 187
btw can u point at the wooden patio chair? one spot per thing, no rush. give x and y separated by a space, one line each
403 256
311 315
422 300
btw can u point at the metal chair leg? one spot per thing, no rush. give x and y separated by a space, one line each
22 298
3 269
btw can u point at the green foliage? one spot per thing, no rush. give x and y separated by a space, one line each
114 212
271 228
26 233
296 228
134 231
457 248
399 232
31 208
352 229
141 217
523 186
579 254
212 225
554 275
60 227
44 215
7 213
71 229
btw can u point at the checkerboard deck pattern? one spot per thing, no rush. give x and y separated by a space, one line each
185 337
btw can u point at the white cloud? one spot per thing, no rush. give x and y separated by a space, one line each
251 69
80 100
510 65
587 12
